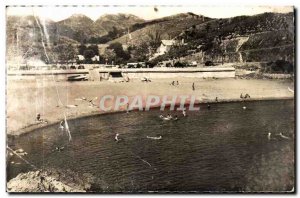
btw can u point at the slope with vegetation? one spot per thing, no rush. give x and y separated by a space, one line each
264 37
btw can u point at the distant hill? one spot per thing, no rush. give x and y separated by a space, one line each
107 22
77 27
24 34
24 38
263 37
168 28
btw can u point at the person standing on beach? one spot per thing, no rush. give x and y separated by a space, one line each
217 99
38 117
193 86
127 107
177 82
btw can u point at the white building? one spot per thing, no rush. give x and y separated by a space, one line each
165 46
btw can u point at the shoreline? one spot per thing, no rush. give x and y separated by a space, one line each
25 99
32 128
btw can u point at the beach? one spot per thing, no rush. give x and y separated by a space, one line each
54 100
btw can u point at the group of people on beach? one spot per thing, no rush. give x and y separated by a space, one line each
244 97
173 83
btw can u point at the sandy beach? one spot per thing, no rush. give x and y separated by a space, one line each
26 98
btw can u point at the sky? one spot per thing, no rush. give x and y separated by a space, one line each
57 13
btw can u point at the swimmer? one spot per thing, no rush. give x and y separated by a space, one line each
269 136
59 148
283 136
61 127
184 113
116 137
208 106
175 117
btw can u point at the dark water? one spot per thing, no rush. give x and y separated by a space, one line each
225 148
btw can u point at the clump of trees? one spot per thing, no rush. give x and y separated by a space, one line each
278 66
64 53
88 53
121 55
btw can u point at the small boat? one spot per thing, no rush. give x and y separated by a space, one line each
78 77
154 138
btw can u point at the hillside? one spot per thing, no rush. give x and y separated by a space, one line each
166 28
263 37
77 27
24 40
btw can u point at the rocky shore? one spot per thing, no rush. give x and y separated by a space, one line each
51 181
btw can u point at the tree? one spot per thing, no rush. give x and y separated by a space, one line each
94 48
88 55
121 55
139 53
64 53
81 49
109 55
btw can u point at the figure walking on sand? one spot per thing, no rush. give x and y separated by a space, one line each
193 86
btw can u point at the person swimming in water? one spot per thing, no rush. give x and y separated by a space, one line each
208 106
61 125
283 136
116 137
169 116
269 136
184 113
175 117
